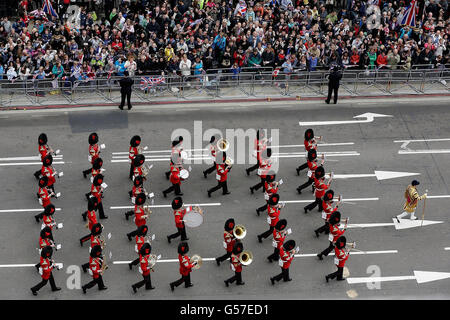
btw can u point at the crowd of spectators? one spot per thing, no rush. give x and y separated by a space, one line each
187 37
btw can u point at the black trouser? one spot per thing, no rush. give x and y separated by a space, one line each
135 262
98 281
100 210
312 205
44 282
306 184
237 277
85 266
185 279
131 171
325 228
40 215
284 274
211 169
338 274
147 281
37 174
129 213
275 255
253 168
260 184
128 96
181 232
303 166
327 250
167 174
264 207
133 233
267 233
332 88
87 171
174 186
224 257
222 185
85 238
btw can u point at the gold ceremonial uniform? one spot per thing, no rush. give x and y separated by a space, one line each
412 198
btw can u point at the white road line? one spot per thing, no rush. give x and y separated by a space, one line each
59 157
214 204
319 145
447 248
158 151
27 163
369 118
306 255
423 140
439 197
344 200
426 151
16 265
25 210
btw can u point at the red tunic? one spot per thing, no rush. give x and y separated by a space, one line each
95 265
48 172
43 150
229 240
44 242
320 187
185 265
47 268
179 215
92 218
311 144
93 152
95 240
222 171
96 191
48 221
140 240
264 167
235 263
137 171
175 176
274 215
335 233
341 257
286 257
139 214
95 172
144 264
278 237
136 190
44 196
328 209
133 153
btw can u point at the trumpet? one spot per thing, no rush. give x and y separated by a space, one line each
146 170
147 210
223 145
104 265
197 261
245 258
239 232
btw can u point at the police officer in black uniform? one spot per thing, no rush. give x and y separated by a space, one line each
333 83
125 90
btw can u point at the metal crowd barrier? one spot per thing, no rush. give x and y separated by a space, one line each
219 85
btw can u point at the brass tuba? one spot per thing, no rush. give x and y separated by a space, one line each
223 145
196 258
239 231
245 258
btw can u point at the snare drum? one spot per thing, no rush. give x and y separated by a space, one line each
184 174
193 219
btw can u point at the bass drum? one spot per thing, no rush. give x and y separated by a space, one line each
193 218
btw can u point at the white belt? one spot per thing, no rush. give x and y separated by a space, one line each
217 176
331 237
225 245
309 173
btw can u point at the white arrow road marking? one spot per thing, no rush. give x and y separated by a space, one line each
306 255
170 206
369 118
406 150
24 210
380 175
404 224
419 276
424 151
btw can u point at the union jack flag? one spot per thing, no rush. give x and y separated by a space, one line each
48 8
38 13
148 82
241 8
409 17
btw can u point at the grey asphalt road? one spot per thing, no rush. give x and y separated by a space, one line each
420 249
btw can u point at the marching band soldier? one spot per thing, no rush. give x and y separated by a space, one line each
236 265
213 150
96 267
94 151
133 152
47 217
264 166
138 183
46 265
92 207
175 156
138 166
278 239
97 167
320 186
48 171
270 188
179 212
412 199
335 233
145 269
140 240
312 167
43 195
341 256
139 201
97 192
96 240
45 239
175 179
310 144
273 211
229 240
43 149
260 146
287 252
92 218
221 176
328 209
185 267
140 214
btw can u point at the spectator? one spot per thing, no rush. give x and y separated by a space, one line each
185 66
